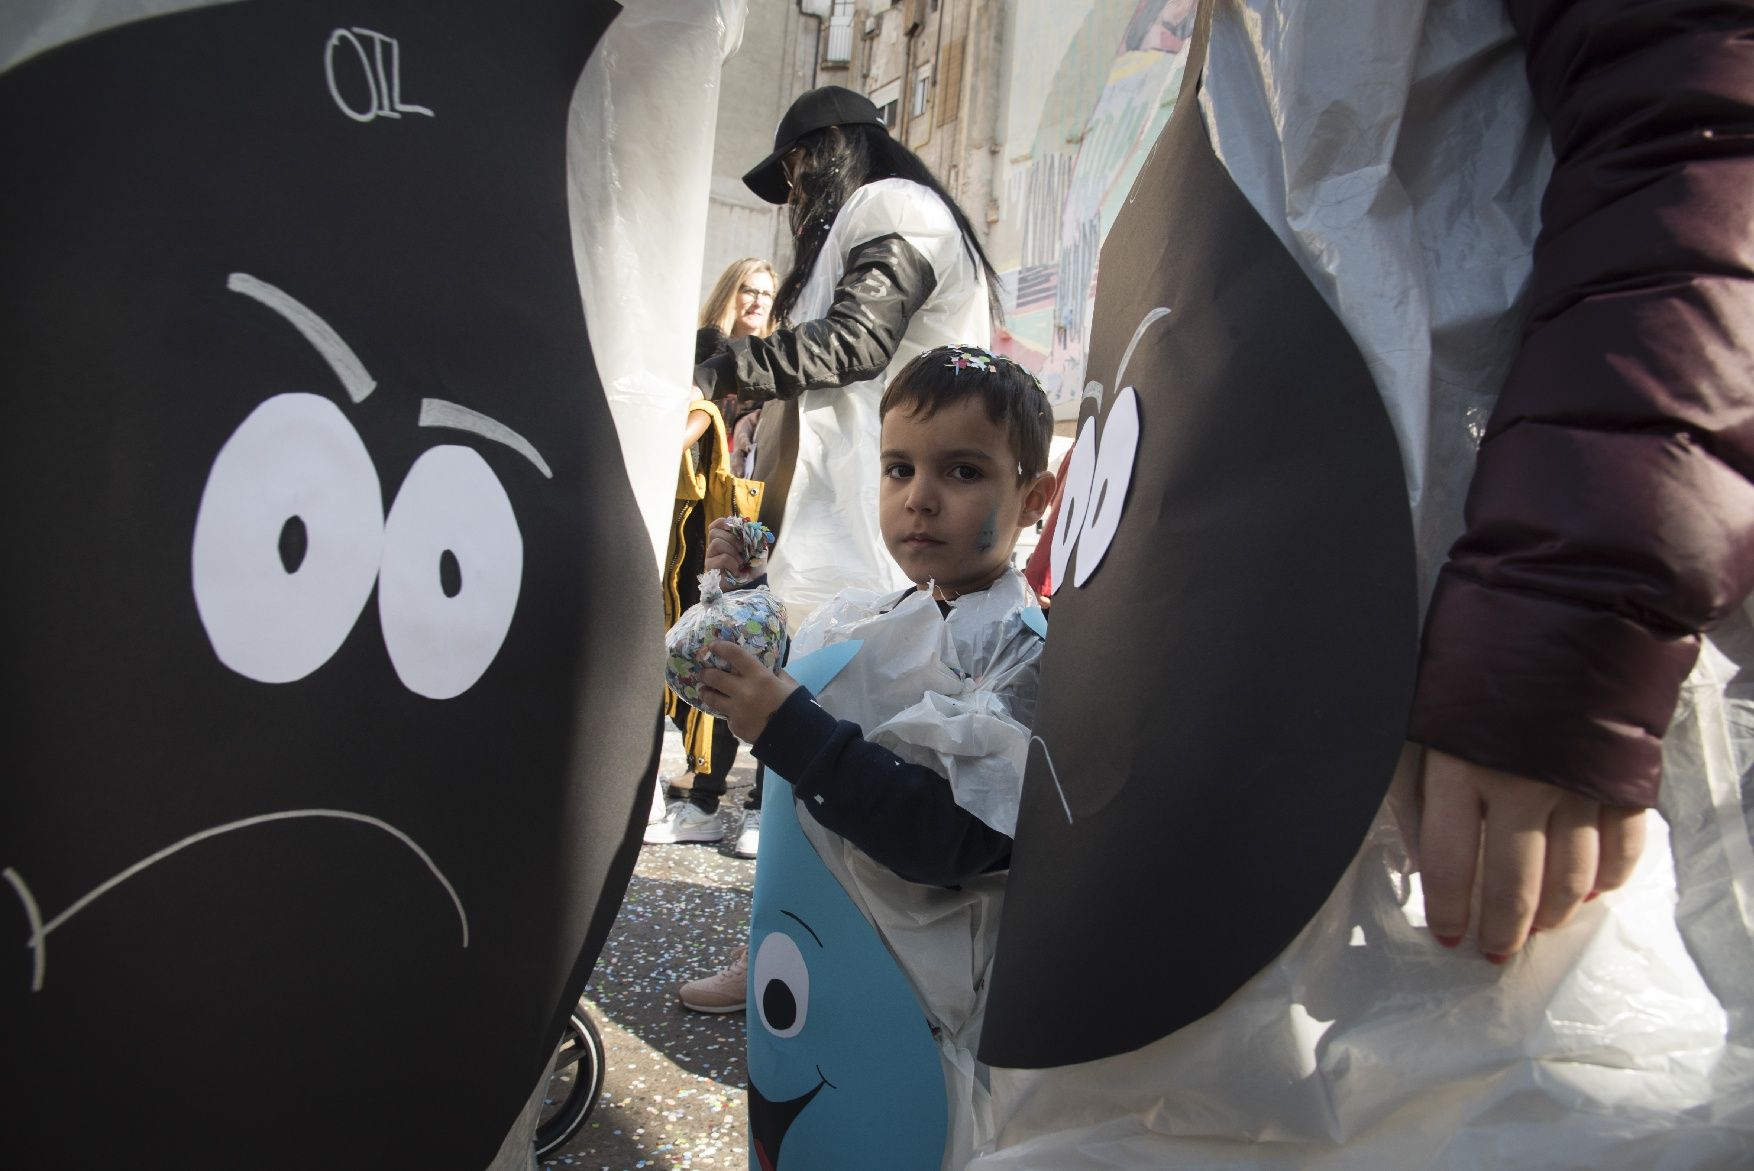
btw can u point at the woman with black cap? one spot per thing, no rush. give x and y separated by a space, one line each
886 266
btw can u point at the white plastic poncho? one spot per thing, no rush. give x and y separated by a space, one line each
1624 1039
830 540
955 694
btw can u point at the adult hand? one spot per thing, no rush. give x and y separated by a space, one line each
748 694
1537 851
723 551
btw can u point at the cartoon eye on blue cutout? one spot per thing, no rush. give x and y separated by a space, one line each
843 1070
782 986
291 535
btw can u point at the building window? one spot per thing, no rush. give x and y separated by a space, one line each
922 88
887 99
839 47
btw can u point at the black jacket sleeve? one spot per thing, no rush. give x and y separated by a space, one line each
886 281
901 814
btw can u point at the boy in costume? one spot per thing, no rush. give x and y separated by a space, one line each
910 763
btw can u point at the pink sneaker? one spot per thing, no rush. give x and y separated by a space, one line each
725 991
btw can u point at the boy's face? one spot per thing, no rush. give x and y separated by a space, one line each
951 502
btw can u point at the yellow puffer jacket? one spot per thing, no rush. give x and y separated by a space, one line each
703 495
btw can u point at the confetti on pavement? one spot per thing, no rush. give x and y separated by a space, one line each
673 1094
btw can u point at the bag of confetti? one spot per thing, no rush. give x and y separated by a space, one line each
753 539
753 619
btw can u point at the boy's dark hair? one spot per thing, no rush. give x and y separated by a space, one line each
838 160
1012 397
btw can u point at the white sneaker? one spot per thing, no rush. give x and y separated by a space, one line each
686 823
749 837
663 805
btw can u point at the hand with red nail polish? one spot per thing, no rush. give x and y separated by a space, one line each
1536 852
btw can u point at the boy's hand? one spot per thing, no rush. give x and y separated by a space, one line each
1538 851
723 552
748 694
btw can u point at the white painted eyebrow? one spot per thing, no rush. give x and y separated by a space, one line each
341 358
436 412
351 371
1127 355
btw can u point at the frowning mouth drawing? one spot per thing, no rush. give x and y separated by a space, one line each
38 943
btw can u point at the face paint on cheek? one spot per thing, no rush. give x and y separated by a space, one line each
989 534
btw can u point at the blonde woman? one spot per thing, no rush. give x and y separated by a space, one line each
739 305
741 302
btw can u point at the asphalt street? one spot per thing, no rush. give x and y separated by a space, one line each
673 1094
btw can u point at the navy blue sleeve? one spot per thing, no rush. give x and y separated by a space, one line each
902 815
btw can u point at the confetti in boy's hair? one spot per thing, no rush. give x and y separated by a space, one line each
1011 398
969 358
961 356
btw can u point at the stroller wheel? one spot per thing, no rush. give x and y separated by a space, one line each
574 1083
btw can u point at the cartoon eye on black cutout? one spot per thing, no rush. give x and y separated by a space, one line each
453 564
291 534
782 985
1075 498
288 538
1099 473
1107 494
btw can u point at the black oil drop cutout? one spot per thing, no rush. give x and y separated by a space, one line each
295 542
450 574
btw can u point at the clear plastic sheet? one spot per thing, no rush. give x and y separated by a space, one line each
955 695
830 539
1394 149
1365 1045
976 670
28 27
753 619
639 173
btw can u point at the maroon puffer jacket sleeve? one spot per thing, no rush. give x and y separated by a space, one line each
1611 515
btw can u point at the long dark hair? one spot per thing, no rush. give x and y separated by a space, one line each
838 160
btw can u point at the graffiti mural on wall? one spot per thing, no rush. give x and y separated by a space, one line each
1067 194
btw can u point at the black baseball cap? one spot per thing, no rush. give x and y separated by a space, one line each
832 105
